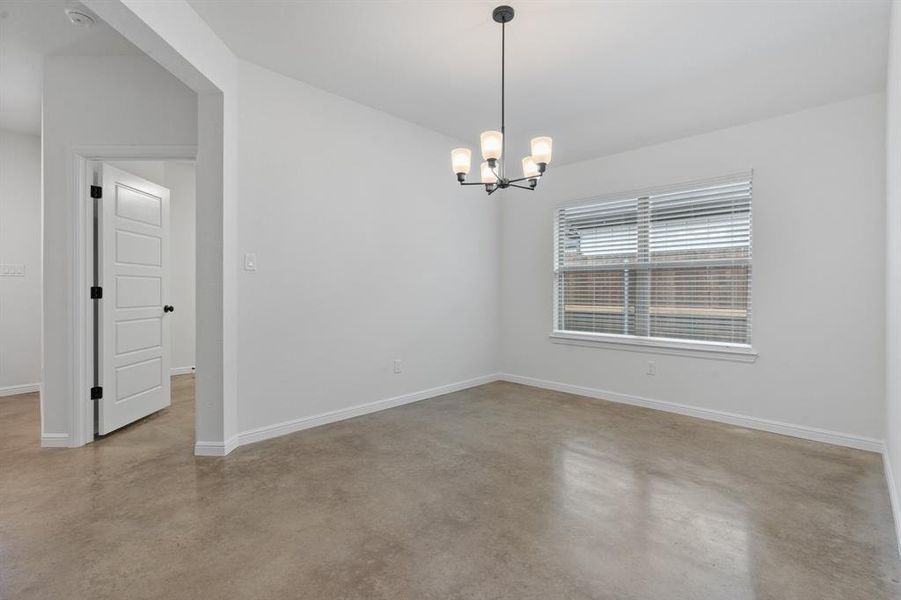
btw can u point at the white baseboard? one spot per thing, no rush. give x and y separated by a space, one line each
215 448
893 496
55 440
181 370
800 431
25 388
270 431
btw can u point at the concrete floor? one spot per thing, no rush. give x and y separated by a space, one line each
501 491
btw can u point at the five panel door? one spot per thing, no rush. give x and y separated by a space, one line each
133 247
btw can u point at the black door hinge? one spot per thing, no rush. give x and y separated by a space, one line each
96 191
96 392
96 292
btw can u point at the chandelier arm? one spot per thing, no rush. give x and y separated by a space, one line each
471 183
524 179
522 187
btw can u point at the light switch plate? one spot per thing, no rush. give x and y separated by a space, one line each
250 262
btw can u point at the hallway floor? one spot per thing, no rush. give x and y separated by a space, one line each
500 491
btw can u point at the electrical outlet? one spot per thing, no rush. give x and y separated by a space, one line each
397 366
652 367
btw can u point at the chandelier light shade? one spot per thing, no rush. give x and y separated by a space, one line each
492 173
530 168
541 150
462 159
492 145
488 176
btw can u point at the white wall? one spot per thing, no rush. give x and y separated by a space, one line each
177 38
92 101
818 291
20 244
367 249
179 178
893 268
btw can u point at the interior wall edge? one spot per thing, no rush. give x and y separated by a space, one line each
259 434
700 134
56 440
215 448
836 438
23 388
893 495
804 432
892 277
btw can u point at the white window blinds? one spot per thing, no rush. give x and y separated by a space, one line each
672 265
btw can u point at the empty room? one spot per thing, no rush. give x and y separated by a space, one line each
450 299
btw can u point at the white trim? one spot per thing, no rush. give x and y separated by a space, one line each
697 349
799 431
15 390
181 370
893 496
80 178
215 448
81 427
270 431
56 440
127 152
266 432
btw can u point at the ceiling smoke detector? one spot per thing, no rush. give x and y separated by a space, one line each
79 18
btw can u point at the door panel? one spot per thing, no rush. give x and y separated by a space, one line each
138 334
133 248
138 205
136 292
138 249
136 378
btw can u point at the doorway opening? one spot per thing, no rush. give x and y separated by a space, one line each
141 270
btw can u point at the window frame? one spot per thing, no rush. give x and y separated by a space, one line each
656 345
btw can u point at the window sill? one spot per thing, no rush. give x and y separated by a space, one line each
709 350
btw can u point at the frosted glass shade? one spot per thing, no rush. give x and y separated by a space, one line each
529 168
492 143
488 175
461 158
541 149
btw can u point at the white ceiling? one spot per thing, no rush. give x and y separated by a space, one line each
29 30
599 77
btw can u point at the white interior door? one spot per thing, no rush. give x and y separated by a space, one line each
133 246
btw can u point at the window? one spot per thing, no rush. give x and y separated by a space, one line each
668 268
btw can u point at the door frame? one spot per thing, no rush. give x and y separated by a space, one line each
82 176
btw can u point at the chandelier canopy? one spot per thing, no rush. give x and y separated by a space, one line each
493 171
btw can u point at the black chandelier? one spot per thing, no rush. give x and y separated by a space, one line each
493 171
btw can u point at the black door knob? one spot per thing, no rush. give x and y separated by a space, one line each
168 308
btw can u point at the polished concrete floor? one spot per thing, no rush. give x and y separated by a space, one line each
501 491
